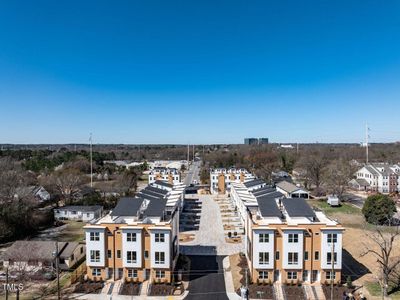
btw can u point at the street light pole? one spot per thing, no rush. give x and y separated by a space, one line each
333 266
56 255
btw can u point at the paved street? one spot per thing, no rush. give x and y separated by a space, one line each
206 278
193 173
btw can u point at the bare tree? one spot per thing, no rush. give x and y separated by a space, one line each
65 181
314 164
384 241
127 181
338 174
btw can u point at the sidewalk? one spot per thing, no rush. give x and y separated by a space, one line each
230 290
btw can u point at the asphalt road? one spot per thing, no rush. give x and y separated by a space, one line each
206 278
193 173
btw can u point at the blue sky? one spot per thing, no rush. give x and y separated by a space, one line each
199 71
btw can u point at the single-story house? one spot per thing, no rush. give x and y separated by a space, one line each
292 191
78 212
359 184
32 256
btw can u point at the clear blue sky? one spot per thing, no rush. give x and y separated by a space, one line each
199 71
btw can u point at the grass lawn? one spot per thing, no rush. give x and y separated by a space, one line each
375 290
73 233
329 210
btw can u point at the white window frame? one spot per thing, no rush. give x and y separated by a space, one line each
132 273
293 237
94 255
159 237
292 275
95 236
159 258
131 237
263 258
133 257
96 272
263 238
291 258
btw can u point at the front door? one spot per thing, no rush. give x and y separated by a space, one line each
306 277
110 273
147 274
315 275
120 273
277 275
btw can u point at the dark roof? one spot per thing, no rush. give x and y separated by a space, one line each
150 193
264 190
127 206
156 190
268 207
38 250
298 207
155 208
163 183
81 207
253 182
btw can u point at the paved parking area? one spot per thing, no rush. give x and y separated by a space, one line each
210 238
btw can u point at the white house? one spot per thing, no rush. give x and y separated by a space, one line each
292 191
378 177
78 212
221 178
170 175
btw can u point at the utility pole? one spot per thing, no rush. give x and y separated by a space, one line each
188 154
333 266
366 139
56 255
91 161
193 152
6 283
297 148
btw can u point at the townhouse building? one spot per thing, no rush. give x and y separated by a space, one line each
378 177
221 179
285 239
170 175
139 239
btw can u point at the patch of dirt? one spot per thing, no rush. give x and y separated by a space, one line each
89 287
186 237
294 292
130 288
235 240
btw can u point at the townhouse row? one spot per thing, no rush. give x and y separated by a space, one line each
221 179
139 239
378 177
285 239
170 175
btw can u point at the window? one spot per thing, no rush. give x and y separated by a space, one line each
293 258
88 215
262 275
316 255
306 255
160 274
160 237
332 237
109 253
329 258
263 238
291 275
277 255
263 258
96 272
95 236
131 237
160 257
131 257
118 253
95 255
132 273
293 237
329 275
146 254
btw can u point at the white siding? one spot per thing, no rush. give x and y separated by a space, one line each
160 247
263 247
132 246
327 247
95 245
293 247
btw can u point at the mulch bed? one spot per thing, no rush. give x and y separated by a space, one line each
89 287
294 292
130 288
161 289
337 291
260 291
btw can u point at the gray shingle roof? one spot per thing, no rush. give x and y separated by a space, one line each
155 208
288 187
268 207
84 208
253 182
127 206
298 207
156 190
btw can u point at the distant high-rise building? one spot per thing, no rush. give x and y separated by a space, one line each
250 141
256 141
